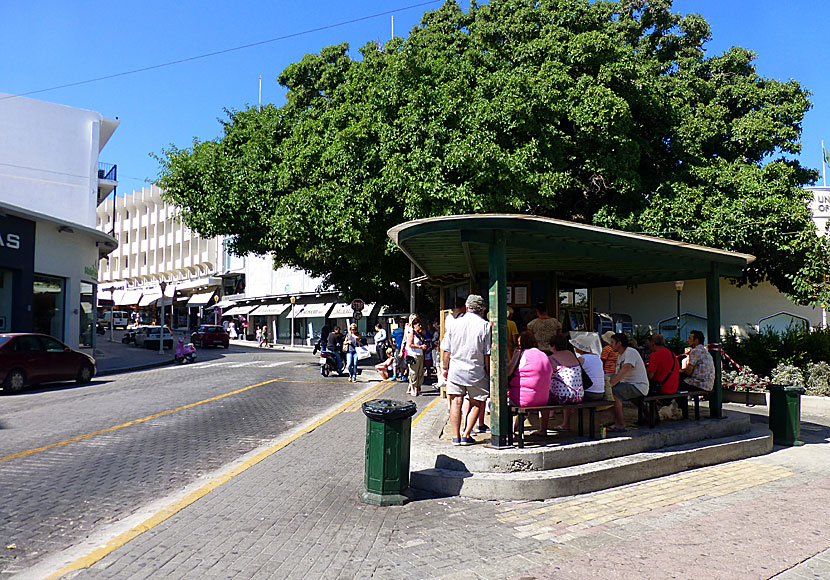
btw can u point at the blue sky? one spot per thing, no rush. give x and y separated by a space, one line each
53 42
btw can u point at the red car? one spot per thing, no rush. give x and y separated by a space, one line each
30 359
210 335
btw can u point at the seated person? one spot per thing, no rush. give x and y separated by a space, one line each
630 382
387 366
334 345
529 371
699 370
663 369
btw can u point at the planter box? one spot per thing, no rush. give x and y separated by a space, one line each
748 398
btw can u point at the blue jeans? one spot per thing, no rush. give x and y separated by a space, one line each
351 364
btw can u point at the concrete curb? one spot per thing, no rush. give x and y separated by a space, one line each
536 473
133 368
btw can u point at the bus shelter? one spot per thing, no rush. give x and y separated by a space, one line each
451 249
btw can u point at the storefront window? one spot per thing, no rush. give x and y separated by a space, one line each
48 305
5 300
87 322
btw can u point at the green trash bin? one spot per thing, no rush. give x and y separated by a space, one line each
388 427
785 414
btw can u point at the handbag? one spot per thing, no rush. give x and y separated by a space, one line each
362 352
587 383
345 347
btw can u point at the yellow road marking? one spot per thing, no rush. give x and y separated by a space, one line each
376 391
422 413
134 422
177 506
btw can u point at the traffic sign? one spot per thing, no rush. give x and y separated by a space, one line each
357 315
357 304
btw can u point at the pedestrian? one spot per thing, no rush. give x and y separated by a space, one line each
544 328
400 361
264 337
466 364
415 348
232 330
258 335
380 342
350 344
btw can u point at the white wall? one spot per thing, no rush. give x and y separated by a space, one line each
49 158
740 307
262 280
65 255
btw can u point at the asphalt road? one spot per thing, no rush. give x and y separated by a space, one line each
75 458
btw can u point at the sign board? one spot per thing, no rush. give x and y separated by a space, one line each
357 304
357 315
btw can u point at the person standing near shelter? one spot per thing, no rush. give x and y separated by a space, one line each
415 347
544 328
608 358
662 368
699 372
466 364
400 362
380 342
512 333
629 382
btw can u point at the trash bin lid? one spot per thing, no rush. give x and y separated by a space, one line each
386 410
788 389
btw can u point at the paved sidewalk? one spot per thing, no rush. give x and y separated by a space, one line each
296 515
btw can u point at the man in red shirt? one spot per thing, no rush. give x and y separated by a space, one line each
663 368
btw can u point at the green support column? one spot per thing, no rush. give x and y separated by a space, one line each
499 414
713 327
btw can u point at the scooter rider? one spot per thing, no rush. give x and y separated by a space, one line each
334 345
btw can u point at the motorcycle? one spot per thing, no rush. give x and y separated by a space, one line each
185 353
328 363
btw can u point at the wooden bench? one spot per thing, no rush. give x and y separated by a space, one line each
592 406
682 398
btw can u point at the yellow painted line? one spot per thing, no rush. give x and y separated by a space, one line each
422 413
134 422
177 506
376 391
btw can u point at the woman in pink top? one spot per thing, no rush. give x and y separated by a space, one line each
529 371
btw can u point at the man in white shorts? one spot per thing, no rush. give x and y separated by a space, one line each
466 366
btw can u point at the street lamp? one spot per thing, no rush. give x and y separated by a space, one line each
678 285
163 285
112 311
293 301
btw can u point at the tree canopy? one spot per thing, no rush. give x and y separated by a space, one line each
600 112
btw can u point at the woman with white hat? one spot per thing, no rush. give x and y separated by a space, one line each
592 364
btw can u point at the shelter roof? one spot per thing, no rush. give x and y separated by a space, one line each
453 248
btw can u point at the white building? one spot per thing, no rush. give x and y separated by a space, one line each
51 182
198 273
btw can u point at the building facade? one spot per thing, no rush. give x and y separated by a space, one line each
201 278
51 182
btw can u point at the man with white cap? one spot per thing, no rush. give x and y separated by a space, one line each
466 366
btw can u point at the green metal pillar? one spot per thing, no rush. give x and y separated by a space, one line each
713 327
499 413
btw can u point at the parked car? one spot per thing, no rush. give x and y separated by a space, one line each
148 337
31 359
210 335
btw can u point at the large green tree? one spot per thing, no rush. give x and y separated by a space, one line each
601 112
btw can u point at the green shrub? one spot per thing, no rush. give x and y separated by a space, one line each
818 379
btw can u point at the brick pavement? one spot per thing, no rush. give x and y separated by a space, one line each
296 515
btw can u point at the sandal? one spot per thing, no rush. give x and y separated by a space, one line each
615 429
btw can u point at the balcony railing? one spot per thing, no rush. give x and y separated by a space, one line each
107 171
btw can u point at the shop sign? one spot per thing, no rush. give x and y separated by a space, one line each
9 241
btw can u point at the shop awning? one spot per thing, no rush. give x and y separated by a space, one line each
149 299
343 310
270 310
199 283
128 298
314 310
225 303
200 299
237 310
